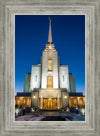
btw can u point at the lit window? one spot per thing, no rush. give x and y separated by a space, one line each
49 65
49 55
50 82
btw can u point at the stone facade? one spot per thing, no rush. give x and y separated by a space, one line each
35 77
64 77
55 67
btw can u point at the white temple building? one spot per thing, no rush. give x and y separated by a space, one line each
49 82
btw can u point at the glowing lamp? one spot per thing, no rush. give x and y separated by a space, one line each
34 97
65 97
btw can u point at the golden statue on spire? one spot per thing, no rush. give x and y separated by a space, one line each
49 20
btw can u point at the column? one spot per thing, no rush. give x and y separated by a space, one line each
41 102
58 101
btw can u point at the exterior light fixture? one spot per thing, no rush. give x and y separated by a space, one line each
34 97
65 97
32 109
17 111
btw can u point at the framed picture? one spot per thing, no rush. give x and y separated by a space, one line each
10 12
51 90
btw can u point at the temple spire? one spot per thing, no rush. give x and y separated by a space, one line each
50 34
50 45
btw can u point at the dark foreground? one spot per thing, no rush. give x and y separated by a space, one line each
51 116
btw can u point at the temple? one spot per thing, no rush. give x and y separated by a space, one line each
49 85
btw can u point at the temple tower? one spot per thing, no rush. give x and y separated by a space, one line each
50 64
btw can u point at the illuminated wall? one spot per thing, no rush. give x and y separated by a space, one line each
35 77
64 77
22 102
76 102
50 66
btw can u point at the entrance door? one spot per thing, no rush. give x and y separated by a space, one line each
49 103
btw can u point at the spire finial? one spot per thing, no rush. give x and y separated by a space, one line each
49 20
50 34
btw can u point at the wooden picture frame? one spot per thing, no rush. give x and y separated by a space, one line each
91 10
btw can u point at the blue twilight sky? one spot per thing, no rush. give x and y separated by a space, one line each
31 35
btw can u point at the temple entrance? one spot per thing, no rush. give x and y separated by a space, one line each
50 103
